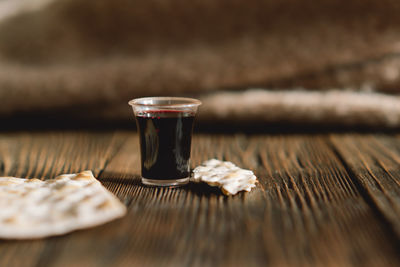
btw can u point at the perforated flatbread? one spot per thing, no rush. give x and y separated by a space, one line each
31 208
226 175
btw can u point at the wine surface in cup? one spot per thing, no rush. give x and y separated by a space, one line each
165 139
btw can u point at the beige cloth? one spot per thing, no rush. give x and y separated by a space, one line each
59 56
298 106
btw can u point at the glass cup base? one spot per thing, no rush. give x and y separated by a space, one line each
170 183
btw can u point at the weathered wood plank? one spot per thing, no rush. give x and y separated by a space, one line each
374 161
306 210
320 209
47 155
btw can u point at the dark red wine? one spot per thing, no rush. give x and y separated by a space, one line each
165 138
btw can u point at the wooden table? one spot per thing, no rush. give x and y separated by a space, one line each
322 200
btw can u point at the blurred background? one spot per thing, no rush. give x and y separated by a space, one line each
254 63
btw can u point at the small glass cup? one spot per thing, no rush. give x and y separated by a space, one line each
165 126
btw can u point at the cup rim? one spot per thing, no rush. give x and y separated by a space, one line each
183 102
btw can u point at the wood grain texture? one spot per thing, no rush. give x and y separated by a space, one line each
375 162
313 206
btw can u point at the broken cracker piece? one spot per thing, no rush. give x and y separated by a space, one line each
226 175
31 208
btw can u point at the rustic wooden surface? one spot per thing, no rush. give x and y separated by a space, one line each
322 200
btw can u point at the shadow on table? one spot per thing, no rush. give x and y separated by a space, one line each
203 189
127 179
42 121
120 178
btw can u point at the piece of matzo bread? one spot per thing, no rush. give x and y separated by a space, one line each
226 175
31 208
